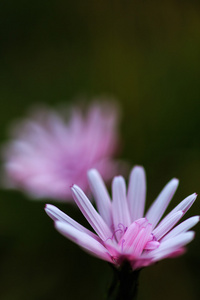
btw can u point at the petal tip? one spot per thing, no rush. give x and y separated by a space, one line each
175 181
92 171
48 206
74 187
118 178
138 169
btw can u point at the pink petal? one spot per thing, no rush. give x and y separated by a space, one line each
152 245
181 228
57 215
129 236
140 241
137 193
166 224
170 246
101 196
120 211
185 204
159 206
95 220
143 239
83 240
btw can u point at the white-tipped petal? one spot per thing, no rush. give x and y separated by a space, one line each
185 204
181 228
159 206
171 245
119 205
137 193
95 220
83 240
166 224
101 196
57 215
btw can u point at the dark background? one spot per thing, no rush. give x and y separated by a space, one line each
147 55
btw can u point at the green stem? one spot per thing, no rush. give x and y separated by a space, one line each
125 283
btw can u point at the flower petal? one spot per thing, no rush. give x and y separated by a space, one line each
181 228
57 215
140 241
137 193
152 245
143 239
83 240
174 244
120 210
101 196
166 224
91 214
170 245
185 204
158 207
129 236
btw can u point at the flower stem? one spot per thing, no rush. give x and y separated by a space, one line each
125 283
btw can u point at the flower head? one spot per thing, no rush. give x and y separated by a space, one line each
122 231
46 155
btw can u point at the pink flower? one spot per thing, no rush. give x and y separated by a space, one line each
122 230
46 155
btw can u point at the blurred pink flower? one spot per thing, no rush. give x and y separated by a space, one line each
46 155
122 232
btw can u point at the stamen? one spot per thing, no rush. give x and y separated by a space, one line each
124 228
118 233
113 235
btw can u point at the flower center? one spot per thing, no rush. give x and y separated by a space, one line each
137 238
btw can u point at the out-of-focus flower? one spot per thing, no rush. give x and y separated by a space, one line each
122 232
46 155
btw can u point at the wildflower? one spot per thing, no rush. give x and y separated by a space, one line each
46 155
122 231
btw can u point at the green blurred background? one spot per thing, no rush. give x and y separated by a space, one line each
147 55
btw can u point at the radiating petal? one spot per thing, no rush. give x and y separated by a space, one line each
119 205
170 245
137 193
57 215
181 228
166 224
83 240
185 204
175 245
91 214
159 206
101 196
118 239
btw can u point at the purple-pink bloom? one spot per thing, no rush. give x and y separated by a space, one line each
123 232
47 155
